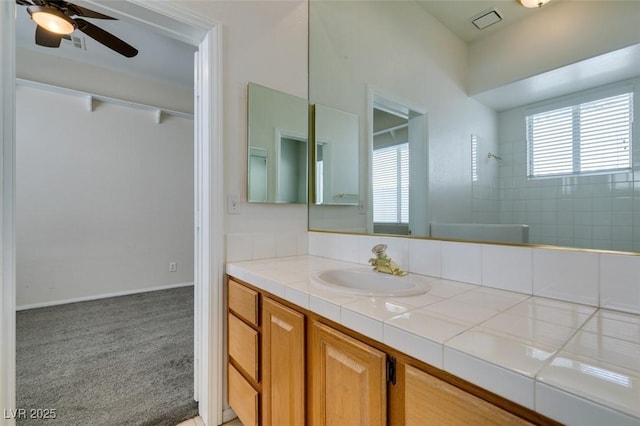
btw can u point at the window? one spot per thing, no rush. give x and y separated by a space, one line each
588 137
391 184
474 158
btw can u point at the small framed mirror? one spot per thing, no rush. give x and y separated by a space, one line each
277 161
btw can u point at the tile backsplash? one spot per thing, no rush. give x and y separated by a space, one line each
607 280
265 245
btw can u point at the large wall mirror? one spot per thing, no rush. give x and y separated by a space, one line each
277 146
485 120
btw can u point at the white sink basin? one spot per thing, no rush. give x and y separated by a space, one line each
367 282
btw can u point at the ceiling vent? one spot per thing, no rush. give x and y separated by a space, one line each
76 42
486 19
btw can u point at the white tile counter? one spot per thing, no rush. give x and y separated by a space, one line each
574 363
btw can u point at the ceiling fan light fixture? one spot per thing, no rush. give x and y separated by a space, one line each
533 3
51 19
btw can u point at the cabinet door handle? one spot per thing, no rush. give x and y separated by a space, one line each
391 370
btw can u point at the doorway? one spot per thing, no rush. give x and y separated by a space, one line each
399 168
208 193
292 165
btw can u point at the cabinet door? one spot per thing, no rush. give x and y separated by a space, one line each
348 380
431 401
283 365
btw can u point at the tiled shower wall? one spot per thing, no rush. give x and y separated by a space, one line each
596 211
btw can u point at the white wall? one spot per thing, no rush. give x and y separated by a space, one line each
62 72
104 198
403 51
264 42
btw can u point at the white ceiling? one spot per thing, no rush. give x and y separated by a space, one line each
165 58
159 56
171 60
458 14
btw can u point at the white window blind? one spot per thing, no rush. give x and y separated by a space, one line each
474 158
588 137
391 184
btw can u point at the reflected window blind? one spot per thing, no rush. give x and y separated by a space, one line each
391 184
588 137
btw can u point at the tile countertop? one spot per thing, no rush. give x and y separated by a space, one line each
574 363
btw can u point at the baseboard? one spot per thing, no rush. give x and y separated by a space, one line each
100 296
228 415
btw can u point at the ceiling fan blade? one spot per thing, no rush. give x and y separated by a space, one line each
24 3
87 13
108 39
46 38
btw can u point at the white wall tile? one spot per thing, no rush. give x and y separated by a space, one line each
315 246
425 257
350 249
264 245
560 274
462 262
324 244
286 244
620 282
507 268
239 247
303 243
567 275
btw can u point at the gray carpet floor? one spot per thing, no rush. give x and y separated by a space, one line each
119 361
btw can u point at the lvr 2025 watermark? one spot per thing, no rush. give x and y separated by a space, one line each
30 413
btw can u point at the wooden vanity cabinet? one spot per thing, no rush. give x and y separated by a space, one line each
428 400
266 352
288 366
283 365
348 380
243 368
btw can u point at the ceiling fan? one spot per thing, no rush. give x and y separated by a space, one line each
56 19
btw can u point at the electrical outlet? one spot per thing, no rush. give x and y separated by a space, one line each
233 204
173 266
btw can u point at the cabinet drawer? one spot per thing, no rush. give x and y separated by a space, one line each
243 398
243 346
244 302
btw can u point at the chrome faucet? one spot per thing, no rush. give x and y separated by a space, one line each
382 263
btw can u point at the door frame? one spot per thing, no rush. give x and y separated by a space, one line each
208 194
417 117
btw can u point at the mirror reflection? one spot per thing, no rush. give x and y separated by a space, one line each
518 132
277 146
336 157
